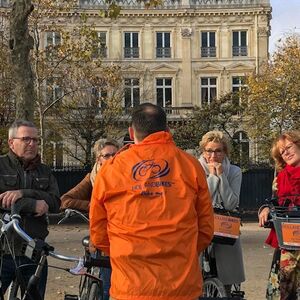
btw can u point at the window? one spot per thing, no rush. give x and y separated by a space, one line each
208 44
98 98
208 89
100 48
54 91
163 45
239 43
132 92
241 147
164 92
237 86
131 49
52 39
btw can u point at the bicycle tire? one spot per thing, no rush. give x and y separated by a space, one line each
14 291
213 287
96 292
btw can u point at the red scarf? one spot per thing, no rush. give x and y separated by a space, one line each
288 181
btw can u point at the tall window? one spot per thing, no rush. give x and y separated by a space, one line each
239 43
241 147
238 84
164 92
100 47
132 92
208 44
52 39
131 41
99 97
54 91
163 42
208 89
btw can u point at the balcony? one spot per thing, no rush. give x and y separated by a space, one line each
163 52
131 52
208 51
239 51
174 4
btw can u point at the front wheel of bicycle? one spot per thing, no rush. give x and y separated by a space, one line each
14 291
213 287
95 292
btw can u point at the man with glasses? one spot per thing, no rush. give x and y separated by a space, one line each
151 211
24 178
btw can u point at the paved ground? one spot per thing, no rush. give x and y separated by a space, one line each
66 239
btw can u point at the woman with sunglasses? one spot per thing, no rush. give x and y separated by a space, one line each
284 277
79 196
224 183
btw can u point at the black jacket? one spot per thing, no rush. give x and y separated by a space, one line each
37 182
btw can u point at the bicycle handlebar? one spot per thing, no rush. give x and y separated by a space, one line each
69 212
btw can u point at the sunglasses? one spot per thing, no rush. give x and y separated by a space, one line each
107 155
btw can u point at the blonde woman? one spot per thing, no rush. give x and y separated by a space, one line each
79 196
224 183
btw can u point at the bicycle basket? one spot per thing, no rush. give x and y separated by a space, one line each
226 229
287 226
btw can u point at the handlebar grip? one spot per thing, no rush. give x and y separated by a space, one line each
19 205
102 261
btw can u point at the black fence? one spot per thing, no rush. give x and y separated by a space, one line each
256 185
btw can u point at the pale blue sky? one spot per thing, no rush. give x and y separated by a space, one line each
285 19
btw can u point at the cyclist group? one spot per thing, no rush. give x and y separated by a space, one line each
151 208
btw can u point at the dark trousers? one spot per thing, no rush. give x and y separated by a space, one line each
26 267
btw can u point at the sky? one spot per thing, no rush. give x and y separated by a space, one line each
285 19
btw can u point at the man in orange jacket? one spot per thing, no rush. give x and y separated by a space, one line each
151 212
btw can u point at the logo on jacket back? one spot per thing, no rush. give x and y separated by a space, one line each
150 169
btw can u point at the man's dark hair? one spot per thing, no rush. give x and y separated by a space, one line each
148 118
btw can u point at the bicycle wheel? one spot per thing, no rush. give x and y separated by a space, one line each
213 287
96 292
14 291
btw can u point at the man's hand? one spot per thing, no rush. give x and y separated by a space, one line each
8 198
41 208
263 216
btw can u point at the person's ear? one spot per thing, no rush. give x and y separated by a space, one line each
131 133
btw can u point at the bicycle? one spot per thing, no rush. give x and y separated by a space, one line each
285 219
227 231
38 251
91 286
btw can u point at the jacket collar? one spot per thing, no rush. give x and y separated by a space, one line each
160 137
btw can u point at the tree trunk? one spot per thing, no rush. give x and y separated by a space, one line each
20 44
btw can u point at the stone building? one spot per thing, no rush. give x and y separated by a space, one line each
182 53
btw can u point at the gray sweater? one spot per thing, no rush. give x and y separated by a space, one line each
224 189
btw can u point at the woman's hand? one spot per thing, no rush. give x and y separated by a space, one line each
263 216
212 168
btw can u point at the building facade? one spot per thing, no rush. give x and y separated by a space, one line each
179 54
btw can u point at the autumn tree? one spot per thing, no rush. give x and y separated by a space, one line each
7 107
273 96
221 114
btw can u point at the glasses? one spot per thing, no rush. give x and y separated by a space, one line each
286 149
216 152
107 155
27 139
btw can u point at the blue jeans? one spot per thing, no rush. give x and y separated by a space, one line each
8 272
105 276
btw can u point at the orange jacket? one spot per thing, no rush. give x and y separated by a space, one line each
151 212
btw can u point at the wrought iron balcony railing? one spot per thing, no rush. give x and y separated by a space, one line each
163 52
173 4
131 52
208 51
239 51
